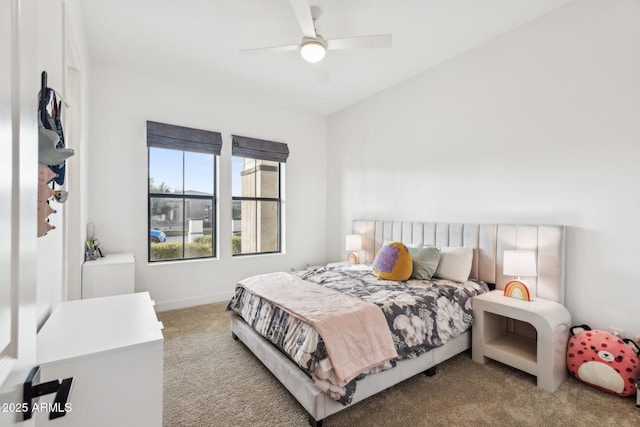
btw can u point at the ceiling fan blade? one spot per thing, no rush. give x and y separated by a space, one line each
321 72
303 12
364 42
260 50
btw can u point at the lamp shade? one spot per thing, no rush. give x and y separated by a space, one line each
519 263
353 242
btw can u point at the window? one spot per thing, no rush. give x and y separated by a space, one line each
257 168
182 192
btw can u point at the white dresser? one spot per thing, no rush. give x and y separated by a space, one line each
112 275
113 348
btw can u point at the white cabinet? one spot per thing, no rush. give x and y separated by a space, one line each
113 349
112 275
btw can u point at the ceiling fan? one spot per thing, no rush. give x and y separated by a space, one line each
313 47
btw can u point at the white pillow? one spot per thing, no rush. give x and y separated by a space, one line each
455 263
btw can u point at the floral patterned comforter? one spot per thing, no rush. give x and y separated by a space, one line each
421 315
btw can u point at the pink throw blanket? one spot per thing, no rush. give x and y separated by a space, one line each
355 332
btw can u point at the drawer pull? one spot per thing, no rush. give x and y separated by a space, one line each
62 389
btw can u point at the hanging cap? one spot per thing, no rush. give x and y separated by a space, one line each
47 151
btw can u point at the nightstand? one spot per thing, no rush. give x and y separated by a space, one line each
544 357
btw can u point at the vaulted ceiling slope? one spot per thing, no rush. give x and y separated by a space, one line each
204 37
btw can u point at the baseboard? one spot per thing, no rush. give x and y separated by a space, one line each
191 302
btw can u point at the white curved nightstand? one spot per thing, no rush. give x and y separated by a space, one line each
544 357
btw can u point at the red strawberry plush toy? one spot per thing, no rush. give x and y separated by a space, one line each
603 360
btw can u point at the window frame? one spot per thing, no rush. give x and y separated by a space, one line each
184 140
265 150
278 201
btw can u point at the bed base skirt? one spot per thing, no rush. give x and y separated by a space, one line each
314 401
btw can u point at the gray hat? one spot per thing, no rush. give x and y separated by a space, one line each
47 151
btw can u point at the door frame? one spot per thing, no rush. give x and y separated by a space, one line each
19 87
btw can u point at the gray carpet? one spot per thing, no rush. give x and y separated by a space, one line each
212 380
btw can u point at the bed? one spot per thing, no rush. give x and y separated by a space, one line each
487 243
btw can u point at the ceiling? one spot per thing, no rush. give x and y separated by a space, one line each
203 37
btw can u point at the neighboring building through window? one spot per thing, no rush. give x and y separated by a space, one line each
182 192
257 169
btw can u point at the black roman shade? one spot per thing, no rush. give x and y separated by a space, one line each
162 135
259 149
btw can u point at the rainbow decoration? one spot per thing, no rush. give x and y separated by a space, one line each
517 289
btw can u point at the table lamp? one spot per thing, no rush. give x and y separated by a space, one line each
353 245
517 264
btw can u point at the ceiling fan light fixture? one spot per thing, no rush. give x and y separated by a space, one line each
313 51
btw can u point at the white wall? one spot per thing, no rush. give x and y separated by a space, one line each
122 100
541 125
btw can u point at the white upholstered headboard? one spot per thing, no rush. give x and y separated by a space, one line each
489 241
